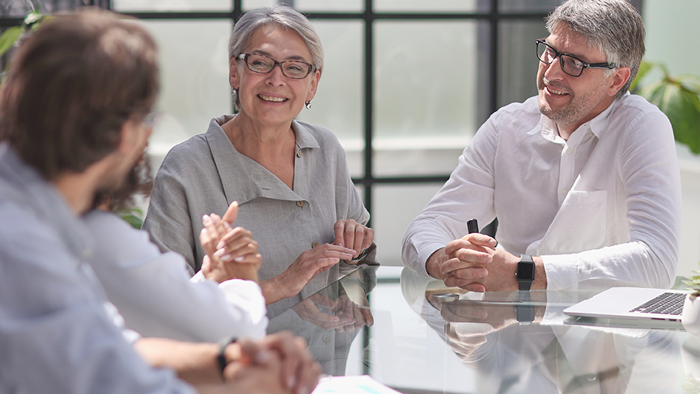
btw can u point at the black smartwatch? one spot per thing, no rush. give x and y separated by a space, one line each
525 273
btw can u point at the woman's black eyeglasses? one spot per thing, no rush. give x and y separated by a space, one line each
262 64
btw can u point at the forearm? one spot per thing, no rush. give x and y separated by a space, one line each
235 270
631 264
271 290
540 282
193 362
432 266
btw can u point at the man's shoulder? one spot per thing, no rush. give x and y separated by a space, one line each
638 104
25 236
634 113
516 116
528 108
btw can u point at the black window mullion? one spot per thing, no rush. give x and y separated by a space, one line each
493 56
368 178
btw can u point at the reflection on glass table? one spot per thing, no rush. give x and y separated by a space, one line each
394 325
330 319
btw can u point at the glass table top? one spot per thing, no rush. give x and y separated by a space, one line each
412 334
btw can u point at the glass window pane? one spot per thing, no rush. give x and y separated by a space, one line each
338 102
394 209
253 4
528 5
430 6
20 8
169 5
194 78
517 70
329 5
426 78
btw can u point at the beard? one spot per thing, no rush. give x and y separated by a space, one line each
118 195
576 110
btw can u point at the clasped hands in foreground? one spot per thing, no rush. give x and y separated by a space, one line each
251 366
474 263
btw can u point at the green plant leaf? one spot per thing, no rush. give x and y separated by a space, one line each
682 107
134 216
9 37
32 17
690 82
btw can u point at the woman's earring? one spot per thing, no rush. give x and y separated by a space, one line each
308 104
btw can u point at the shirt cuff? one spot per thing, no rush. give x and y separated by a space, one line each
561 271
247 295
424 254
198 277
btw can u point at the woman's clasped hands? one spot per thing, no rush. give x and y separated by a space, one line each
231 252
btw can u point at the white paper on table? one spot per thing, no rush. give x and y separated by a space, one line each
363 384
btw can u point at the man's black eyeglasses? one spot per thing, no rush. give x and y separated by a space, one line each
569 64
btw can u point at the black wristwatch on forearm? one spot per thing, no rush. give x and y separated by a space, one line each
525 273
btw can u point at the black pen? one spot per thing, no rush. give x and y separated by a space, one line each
472 226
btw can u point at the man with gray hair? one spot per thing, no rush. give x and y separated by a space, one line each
583 177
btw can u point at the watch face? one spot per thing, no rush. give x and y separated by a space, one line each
526 271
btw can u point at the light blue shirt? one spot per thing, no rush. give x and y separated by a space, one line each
55 333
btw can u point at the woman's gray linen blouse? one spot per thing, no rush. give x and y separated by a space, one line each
204 174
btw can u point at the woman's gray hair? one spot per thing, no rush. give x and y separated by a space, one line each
280 15
613 26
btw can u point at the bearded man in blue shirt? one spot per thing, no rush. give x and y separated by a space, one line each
74 115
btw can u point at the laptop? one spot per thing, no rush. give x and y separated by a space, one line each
631 307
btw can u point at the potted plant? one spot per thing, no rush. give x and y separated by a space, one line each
691 307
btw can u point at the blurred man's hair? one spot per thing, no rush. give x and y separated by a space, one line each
71 87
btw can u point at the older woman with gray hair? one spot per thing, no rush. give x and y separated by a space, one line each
289 178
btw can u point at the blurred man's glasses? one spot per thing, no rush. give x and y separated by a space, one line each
263 64
151 119
569 64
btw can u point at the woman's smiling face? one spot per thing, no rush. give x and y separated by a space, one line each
273 98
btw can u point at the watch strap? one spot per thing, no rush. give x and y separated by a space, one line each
221 358
524 284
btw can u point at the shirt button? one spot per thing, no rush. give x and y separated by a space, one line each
569 151
315 244
326 338
564 191
298 153
300 204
